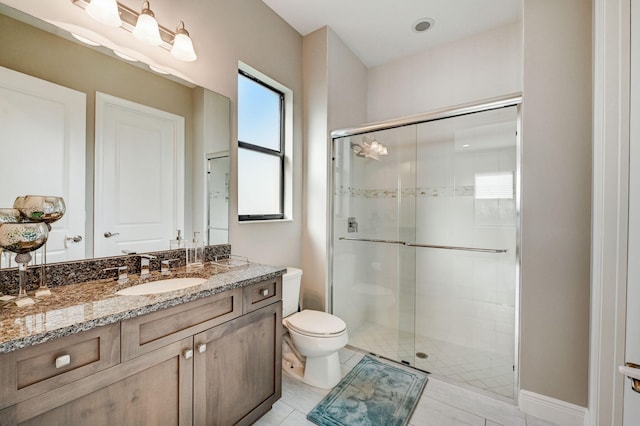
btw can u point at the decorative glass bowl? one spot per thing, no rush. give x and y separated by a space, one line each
10 216
22 238
41 208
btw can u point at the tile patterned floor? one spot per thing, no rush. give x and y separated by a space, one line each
479 369
441 404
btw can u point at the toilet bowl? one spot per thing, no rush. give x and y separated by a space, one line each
313 335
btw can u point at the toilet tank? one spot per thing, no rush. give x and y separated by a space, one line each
291 291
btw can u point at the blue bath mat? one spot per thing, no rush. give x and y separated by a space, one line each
373 393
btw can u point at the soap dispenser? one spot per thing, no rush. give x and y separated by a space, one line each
195 253
178 243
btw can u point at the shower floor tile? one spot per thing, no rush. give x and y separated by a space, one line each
488 371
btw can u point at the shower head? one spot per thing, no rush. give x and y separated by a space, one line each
367 149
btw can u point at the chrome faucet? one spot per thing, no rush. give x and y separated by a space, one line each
122 273
144 265
164 266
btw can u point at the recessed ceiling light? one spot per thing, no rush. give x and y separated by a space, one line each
423 24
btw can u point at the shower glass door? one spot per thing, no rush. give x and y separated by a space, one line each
374 210
428 275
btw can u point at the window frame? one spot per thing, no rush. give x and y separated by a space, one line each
263 150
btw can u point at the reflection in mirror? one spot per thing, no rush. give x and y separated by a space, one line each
218 193
43 53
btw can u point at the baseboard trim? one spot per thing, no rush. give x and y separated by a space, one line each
551 409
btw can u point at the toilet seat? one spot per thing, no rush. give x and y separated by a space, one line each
316 324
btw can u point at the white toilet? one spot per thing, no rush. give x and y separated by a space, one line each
315 338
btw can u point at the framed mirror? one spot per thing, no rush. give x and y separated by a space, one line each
44 53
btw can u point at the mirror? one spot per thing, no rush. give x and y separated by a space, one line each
218 195
38 49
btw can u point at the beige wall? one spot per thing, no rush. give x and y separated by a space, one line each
314 249
335 97
556 191
471 69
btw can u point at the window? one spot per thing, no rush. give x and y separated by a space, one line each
494 186
261 156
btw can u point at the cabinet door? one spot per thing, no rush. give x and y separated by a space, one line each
237 375
154 389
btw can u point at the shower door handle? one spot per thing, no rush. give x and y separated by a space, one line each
404 243
476 249
369 240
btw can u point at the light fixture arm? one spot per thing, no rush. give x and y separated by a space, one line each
180 29
129 18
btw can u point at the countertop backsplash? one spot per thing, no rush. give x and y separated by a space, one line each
79 271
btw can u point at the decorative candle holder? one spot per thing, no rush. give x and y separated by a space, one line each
46 209
22 239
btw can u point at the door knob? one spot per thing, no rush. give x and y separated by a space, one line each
71 240
632 371
110 234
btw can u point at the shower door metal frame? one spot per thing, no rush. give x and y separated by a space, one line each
511 100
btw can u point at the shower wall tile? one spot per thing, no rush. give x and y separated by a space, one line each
464 170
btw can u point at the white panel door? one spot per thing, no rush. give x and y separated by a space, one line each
42 146
139 182
632 351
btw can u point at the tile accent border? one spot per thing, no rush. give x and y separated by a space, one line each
551 409
431 191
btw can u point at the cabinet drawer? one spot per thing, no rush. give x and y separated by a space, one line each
44 367
152 331
262 294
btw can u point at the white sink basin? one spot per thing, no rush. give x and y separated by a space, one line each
162 286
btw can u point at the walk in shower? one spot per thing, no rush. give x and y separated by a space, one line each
425 236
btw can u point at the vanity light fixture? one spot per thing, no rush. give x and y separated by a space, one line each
147 28
143 25
105 11
182 45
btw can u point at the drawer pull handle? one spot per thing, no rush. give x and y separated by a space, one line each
188 354
63 361
202 347
264 292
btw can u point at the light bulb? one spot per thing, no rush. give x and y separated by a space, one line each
182 45
147 27
105 11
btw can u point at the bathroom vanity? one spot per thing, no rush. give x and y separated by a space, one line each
209 354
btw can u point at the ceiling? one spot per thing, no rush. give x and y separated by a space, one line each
380 31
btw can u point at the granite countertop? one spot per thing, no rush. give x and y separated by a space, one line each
79 307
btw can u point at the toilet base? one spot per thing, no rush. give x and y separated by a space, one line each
321 372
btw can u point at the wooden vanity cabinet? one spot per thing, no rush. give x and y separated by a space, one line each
154 389
237 368
207 362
